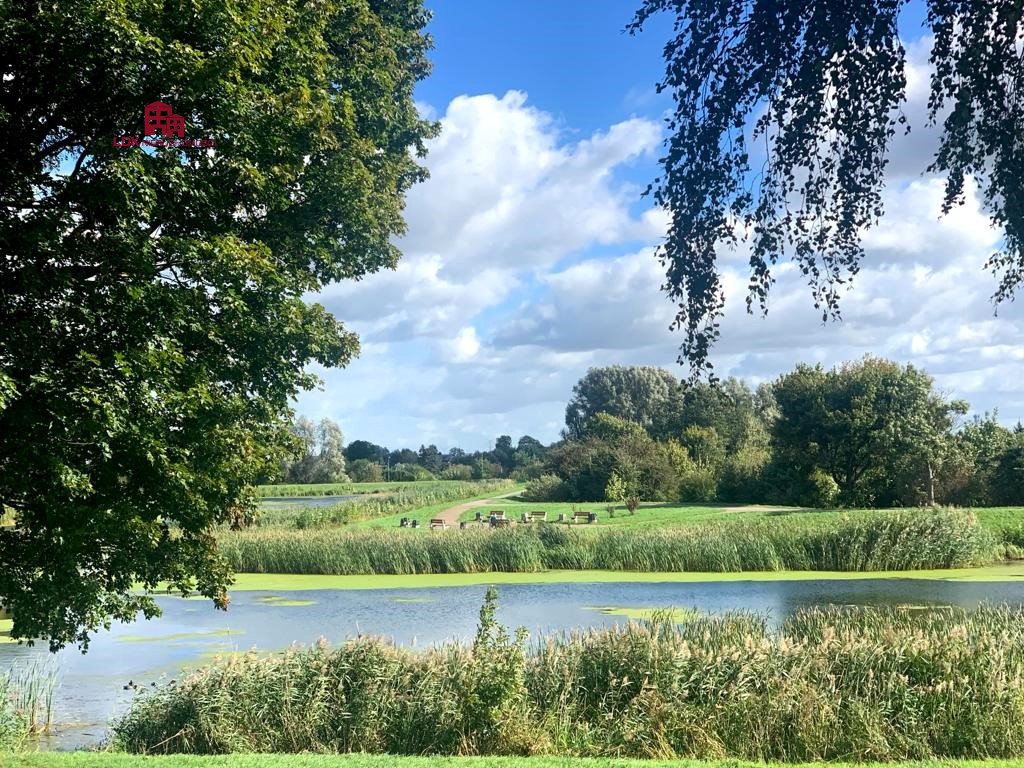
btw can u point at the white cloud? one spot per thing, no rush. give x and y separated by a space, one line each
527 261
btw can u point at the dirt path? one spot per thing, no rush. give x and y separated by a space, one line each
452 514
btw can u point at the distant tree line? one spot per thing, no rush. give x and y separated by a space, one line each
866 433
321 457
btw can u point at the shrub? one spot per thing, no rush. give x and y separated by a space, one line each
545 488
822 490
457 472
410 473
365 471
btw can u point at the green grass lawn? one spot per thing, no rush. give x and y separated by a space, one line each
110 760
653 514
424 514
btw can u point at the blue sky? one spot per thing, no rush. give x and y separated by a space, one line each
529 252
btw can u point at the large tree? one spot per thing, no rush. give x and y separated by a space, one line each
782 121
152 325
875 427
643 394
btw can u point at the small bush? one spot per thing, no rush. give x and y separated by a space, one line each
545 488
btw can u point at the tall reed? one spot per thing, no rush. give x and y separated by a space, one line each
834 684
26 704
903 540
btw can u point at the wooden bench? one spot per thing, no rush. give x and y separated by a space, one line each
581 517
539 517
498 513
501 522
437 522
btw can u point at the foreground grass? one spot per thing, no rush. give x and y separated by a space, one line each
828 684
114 760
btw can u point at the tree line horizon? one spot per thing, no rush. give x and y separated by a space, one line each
867 432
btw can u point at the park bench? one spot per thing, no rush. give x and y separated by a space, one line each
501 522
539 517
581 517
437 522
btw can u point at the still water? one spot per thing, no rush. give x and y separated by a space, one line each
191 632
275 502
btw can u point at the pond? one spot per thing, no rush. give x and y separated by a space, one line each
191 632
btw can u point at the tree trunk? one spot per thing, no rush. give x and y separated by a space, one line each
931 484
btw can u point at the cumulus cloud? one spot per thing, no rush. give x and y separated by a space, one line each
528 260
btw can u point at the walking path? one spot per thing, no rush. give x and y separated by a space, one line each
452 514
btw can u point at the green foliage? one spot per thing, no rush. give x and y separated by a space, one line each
410 473
820 92
1008 474
319 453
615 491
26 705
903 540
153 330
457 472
544 488
586 466
644 395
822 489
837 683
366 471
873 425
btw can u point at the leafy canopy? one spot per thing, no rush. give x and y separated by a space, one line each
152 327
783 116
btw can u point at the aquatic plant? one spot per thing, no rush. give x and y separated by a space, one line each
869 684
891 540
26 704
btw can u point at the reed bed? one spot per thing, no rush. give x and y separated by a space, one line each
866 684
372 507
344 489
884 541
26 704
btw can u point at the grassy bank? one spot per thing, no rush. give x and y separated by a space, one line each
115 760
1005 522
860 684
890 541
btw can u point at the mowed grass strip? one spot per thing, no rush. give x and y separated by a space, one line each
117 760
